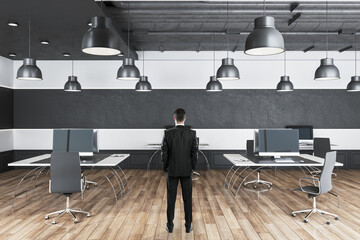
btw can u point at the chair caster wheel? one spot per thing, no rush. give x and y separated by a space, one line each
95 184
53 222
269 187
336 218
76 221
293 215
306 221
88 215
46 217
328 222
254 186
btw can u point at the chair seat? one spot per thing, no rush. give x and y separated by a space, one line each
309 189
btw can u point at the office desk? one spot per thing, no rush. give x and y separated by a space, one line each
241 163
157 148
42 162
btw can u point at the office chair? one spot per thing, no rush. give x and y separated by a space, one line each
321 147
324 185
250 151
65 179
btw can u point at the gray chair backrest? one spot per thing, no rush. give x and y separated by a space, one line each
326 173
65 172
321 147
250 147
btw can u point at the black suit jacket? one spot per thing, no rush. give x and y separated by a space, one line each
179 151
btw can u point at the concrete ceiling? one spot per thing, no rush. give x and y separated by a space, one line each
171 25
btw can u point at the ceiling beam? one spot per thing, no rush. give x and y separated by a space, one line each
122 36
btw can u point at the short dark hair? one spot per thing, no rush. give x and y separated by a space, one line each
179 114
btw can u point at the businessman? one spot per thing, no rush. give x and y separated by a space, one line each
179 156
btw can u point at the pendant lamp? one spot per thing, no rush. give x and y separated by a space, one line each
100 39
265 39
214 85
143 85
227 70
29 70
354 84
72 85
285 85
128 71
327 70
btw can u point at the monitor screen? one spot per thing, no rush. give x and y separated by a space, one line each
277 142
75 140
305 132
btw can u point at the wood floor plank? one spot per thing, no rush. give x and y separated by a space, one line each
141 212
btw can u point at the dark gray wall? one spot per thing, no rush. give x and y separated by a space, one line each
246 108
6 108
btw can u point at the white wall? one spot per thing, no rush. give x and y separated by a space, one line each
137 139
6 140
191 70
6 72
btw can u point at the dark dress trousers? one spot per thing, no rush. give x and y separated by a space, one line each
179 156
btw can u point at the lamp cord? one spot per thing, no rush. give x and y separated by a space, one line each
327 32
29 38
227 24
143 63
355 56
264 8
285 55
128 29
214 53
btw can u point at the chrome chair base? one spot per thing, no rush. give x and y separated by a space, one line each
66 210
259 181
315 210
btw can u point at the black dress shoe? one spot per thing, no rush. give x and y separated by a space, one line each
170 230
188 230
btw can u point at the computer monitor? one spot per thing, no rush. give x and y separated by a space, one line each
276 142
83 141
305 131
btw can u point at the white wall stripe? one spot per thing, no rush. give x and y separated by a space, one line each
137 139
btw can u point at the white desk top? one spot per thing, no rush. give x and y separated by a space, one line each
158 145
110 161
241 160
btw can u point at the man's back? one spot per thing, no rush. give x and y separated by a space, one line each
179 151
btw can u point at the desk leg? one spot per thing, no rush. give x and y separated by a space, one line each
238 177
228 175
234 172
126 179
41 170
112 186
17 187
206 160
244 179
117 178
152 156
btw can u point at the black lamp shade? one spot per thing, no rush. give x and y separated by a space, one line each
354 84
143 85
29 70
100 39
265 39
285 85
72 85
327 70
214 85
227 70
128 71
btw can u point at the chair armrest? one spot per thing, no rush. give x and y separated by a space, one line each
309 179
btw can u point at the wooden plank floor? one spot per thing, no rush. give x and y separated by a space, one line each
141 213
